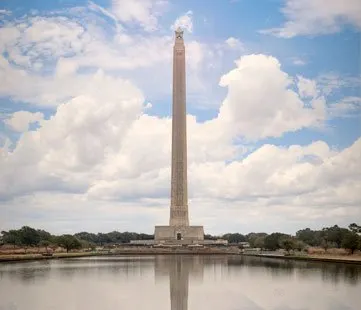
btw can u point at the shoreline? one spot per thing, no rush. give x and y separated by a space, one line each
308 258
37 257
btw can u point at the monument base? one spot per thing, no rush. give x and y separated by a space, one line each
176 234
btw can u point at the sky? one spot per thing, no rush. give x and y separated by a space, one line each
273 114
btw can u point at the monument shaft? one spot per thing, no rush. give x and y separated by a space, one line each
179 191
179 230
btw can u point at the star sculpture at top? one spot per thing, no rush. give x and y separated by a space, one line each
179 33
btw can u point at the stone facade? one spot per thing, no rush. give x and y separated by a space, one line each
179 190
184 234
179 229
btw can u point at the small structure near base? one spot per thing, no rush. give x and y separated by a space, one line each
170 242
179 234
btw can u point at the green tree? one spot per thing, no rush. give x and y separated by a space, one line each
68 242
325 244
351 241
103 239
44 243
210 237
253 237
354 228
300 245
29 236
272 241
145 237
334 234
234 237
87 245
288 244
11 237
259 242
44 235
90 237
113 237
309 236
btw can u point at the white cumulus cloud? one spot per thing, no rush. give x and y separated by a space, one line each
21 120
306 87
185 22
260 102
142 12
298 61
313 17
234 43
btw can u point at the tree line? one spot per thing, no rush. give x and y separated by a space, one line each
30 237
328 237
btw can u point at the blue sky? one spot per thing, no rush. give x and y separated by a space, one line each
85 103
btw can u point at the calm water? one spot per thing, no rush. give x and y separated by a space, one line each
179 283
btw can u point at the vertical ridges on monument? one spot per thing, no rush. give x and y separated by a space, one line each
179 191
179 230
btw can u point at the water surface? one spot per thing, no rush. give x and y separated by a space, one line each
179 283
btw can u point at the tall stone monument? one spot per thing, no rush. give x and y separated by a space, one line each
179 229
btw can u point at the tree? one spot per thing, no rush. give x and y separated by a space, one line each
259 242
68 242
44 243
11 237
86 244
351 241
334 234
209 237
300 245
272 241
309 236
234 238
29 236
145 237
288 244
325 244
113 237
254 241
90 237
354 228
103 238
44 235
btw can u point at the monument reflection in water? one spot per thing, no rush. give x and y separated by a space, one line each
182 282
179 283
179 269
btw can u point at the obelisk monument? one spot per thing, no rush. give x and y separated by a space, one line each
179 228
179 192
